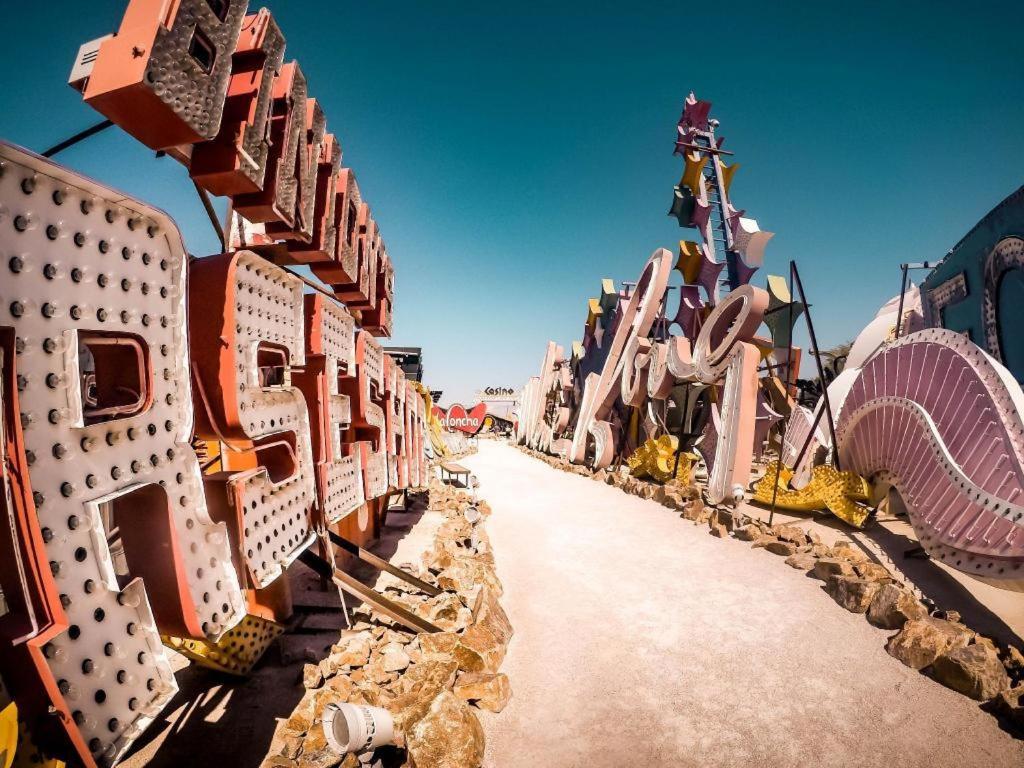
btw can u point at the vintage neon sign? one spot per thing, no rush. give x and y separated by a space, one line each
457 418
929 419
209 84
138 542
242 360
122 536
95 293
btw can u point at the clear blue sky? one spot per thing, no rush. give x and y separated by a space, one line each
516 155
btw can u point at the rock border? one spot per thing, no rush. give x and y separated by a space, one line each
934 642
431 683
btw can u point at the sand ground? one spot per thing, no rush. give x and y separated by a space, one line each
643 641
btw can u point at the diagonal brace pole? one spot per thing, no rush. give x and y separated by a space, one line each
372 597
381 564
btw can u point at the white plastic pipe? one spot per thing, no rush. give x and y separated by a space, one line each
357 728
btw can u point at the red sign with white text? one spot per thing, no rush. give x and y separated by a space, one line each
461 420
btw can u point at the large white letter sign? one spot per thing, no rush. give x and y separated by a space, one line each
366 392
247 333
330 358
94 287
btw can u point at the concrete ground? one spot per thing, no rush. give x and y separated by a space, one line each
643 641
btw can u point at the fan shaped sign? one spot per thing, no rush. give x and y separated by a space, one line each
459 419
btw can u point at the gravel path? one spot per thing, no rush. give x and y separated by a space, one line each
643 641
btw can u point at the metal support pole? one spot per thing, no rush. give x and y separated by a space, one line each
381 564
903 293
80 136
662 323
226 226
817 361
789 376
212 214
682 426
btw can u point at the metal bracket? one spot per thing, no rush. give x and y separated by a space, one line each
917 553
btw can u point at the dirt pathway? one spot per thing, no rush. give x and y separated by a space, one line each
643 641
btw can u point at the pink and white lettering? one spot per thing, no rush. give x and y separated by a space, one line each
593 433
724 351
461 420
